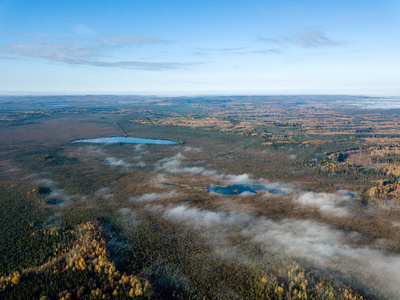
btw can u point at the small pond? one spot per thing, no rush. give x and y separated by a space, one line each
165 183
352 195
237 189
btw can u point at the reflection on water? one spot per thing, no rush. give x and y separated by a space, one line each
241 188
128 140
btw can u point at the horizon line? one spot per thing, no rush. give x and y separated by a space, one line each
173 94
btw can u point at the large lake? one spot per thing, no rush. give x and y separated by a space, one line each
128 140
237 189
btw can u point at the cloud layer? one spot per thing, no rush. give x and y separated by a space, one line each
326 203
154 196
317 243
112 161
91 51
307 39
174 165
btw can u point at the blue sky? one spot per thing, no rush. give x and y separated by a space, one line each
200 47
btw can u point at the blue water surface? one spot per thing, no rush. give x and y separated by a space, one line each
128 140
165 183
352 195
237 189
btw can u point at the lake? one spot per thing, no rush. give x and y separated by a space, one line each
127 140
237 189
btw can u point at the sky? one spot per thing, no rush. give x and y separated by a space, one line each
236 47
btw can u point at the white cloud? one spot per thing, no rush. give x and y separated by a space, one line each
83 29
141 164
93 150
192 149
112 161
125 211
246 193
47 182
307 39
103 192
205 217
327 203
127 39
316 38
238 179
160 177
317 243
128 219
140 152
154 196
174 165
141 149
89 54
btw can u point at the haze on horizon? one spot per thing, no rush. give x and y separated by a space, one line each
203 47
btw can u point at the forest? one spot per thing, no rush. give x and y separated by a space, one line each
136 221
